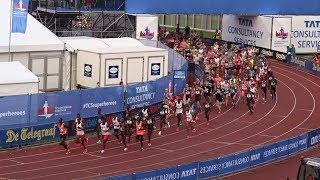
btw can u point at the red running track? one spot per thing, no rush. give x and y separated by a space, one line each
233 130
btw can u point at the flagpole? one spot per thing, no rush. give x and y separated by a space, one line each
11 11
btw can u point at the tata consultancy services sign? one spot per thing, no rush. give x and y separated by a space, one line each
250 30
305 35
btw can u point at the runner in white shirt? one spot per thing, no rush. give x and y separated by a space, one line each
104 134
179 110
81 138
190 122
116 127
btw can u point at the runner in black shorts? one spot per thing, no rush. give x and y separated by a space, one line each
187 92
264 89
207 109
250 100
233 94
219 97
150 123
198 93
124 131
273 86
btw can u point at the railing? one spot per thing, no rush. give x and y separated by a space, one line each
81 5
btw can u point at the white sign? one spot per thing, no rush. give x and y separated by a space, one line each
305 35
147 27
281 30
250 30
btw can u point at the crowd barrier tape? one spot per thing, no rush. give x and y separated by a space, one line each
231 163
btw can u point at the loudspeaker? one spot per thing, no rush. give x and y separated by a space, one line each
191 66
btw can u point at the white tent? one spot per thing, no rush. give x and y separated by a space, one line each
38 49
130 56
15 79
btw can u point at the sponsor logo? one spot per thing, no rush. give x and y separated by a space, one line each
267 52
155 67
33 133
179 75
87 68
113 70
281 34
281 56
147 34
46 111
12 113
20 6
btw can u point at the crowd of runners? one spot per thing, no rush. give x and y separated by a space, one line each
229 73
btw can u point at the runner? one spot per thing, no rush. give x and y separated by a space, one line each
63 135
198 93
179 111
264 90
188 93
219 97
81 138
233 94
150 123
98 129
273 86
207 109
124 131
104 129
130 124
116 127
140 132
190 122
163 118
226 91
250 100
244 88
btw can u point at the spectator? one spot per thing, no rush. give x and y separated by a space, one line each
293 51
187 31
216 35
316 58
178 29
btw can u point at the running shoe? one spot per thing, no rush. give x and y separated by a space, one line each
85 151
168 124
99 142
207 123
149 144
125 149
194 130
177 129
87 140
102 151
141 149
67 152
159 133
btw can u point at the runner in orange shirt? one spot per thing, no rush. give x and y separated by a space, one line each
63 135
140 132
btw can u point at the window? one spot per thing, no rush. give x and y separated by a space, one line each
214 22
190 21
182 20
160 17
197 21
167 20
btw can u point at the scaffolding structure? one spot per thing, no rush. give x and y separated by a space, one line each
108 22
